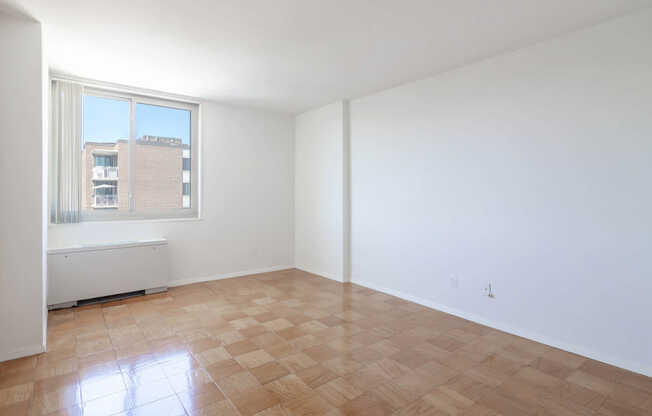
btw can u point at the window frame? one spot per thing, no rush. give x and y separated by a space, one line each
134 98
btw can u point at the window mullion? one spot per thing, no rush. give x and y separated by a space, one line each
132 153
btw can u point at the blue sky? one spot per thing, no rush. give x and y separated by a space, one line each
106 120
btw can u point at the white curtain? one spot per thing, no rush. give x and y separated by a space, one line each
65 152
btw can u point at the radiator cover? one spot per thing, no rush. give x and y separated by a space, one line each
91 271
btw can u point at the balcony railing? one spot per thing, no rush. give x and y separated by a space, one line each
105 201
105 172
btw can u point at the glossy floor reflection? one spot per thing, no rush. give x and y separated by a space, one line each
291 343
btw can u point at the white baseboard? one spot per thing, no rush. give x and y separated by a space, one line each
583 351
21 352
191 280
319 273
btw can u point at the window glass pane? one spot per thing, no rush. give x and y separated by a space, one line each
105 154
162 179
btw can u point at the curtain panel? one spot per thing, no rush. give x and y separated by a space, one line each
65 152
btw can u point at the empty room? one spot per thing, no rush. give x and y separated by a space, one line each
326 207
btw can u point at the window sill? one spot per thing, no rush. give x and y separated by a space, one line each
129 221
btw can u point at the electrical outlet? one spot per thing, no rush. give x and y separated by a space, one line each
489 291
455 281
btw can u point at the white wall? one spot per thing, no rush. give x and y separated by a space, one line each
531 170
247 202
319 191
22 230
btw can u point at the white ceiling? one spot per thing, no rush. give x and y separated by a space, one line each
293 55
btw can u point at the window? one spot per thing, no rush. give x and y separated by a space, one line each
106 161
105 195
138 157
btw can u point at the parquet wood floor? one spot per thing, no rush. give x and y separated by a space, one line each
291 343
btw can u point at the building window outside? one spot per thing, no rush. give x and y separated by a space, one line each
105 194
106 161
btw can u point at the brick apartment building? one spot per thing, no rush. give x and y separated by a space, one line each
162 174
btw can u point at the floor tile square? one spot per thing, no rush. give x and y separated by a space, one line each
269 372
254 401
254 359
